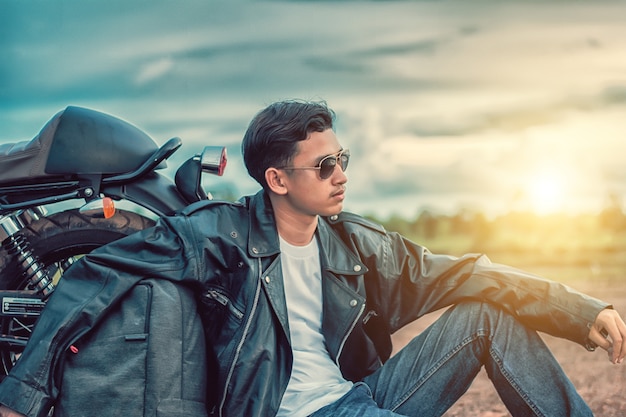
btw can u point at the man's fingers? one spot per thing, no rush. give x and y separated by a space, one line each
616 330
609 333
599 339
620 349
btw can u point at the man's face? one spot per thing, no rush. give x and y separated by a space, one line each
307 192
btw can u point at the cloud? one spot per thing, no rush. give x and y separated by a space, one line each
154 70
434 98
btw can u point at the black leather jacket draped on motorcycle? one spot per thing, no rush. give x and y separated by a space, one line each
374 282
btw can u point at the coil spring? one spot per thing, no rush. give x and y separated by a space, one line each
33 271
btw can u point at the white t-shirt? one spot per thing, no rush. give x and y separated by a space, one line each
315 380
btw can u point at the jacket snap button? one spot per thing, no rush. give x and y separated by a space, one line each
255 250
357 268
353 303
267 279
334 217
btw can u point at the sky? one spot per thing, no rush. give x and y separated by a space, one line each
445 105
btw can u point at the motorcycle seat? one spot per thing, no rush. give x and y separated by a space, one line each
76 141
26 159
16 150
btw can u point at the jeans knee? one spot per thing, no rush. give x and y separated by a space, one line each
483 315
476 307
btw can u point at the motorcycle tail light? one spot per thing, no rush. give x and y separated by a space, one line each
223 162
213 160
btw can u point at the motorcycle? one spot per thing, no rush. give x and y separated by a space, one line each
60 198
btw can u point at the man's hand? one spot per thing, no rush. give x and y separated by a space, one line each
7 412
609 332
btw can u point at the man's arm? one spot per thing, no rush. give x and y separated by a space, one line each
609 333
7 412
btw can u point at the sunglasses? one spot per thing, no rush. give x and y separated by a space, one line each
328 163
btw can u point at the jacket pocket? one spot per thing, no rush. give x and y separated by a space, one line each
106 372
216 309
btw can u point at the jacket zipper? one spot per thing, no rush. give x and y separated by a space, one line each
369 315
242 340
217 296
345 337
225 301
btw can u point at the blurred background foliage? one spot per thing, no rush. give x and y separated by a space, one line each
567 247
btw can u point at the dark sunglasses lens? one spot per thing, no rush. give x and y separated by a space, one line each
328 164
327 167
344 159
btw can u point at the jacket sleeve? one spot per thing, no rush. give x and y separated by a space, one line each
409 281
88 290
424 282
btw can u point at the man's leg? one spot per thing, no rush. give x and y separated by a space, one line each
357 402
438 366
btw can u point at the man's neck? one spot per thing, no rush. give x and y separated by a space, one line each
296 229
296 233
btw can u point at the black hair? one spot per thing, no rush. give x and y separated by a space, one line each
272 137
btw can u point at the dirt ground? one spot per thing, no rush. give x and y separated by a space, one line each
600 383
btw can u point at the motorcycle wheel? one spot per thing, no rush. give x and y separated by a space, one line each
57 241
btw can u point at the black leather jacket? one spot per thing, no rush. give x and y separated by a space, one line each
374 282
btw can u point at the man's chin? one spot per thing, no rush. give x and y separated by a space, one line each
335 211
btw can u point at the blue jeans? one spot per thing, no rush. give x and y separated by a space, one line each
438 366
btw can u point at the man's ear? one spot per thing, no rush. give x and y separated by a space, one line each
274 178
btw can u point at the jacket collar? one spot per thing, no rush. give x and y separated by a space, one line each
336 256
262 236
263 239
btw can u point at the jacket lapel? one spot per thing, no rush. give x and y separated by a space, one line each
343 294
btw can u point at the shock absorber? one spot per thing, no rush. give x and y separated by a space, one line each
18 247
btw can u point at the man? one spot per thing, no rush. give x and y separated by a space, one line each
299 300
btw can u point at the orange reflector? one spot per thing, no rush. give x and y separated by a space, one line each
108 207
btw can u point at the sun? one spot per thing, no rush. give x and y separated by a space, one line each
546 191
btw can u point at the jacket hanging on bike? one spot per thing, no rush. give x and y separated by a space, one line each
147 357
373 283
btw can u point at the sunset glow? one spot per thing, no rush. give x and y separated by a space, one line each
546 192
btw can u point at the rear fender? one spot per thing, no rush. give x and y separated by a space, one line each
154 192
